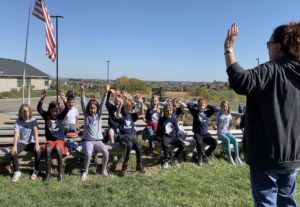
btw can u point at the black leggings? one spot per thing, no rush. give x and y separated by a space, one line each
175 141
129 142
29 148
207 139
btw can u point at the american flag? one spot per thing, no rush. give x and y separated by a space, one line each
40 11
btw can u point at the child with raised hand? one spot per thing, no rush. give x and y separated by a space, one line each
92 133
177 111
152 117
224 120
127 132
54 132
201 113
167 131
113 120
25 138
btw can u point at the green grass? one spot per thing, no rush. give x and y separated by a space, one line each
216 184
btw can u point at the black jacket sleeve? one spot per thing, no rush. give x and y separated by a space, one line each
250 82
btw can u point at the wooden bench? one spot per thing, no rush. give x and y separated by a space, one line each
6 136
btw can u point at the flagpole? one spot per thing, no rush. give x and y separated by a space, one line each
107 80
25 56
56 18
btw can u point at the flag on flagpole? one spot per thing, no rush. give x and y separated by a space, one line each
40 11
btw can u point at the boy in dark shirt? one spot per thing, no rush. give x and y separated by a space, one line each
167 131
201 113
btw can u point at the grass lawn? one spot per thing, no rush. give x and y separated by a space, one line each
216 184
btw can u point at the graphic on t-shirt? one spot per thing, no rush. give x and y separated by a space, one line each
25 132
169 128
128 122
202 117
53 125
155 117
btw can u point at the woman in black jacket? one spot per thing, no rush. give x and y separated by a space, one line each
272 135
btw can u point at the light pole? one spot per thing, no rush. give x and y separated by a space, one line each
56 18
107 80
257 61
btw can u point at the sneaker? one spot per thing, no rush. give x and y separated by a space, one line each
104 173
140 168
205 159
238 161
16 176
34 175
165 165
124 169
231 161
115 158
94 160
84 176
175 162
200 161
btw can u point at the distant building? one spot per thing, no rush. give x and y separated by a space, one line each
11 76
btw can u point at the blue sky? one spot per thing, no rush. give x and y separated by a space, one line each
178 40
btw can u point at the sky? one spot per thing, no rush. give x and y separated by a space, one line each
159 40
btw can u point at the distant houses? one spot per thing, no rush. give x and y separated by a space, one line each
11 76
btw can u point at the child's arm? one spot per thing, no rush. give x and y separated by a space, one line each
103 100
191 107
107 103
40 104
174 122
77 120
83 100
119 114
211 109
16 138
64 113
141 111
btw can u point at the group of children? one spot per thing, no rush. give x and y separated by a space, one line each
161 125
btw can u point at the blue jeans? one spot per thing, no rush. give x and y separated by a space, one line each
228 138
273 187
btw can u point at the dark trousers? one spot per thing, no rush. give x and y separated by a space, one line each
28 148
207 139
175 141
129 142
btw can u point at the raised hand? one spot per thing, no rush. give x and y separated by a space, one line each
81 85
44 93
62 95
119 99
231 36
107 87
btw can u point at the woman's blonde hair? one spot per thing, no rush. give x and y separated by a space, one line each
21 114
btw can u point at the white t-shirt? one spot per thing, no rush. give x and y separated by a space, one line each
223 122
71 116
25 130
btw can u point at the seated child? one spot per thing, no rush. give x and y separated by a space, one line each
177 111
127 132
152 117
54 133
92 134
25 138
71 123
167 132
224 120
201 113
